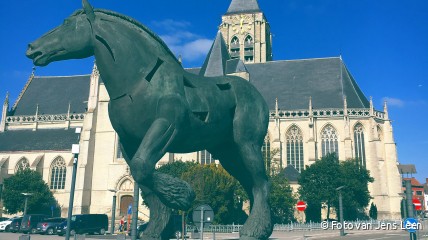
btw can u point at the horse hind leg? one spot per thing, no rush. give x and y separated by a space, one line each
259 222
244 163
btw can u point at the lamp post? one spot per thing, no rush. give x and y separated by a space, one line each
26 200
113 210
75 151
342 229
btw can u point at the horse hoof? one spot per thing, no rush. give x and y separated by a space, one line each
173 192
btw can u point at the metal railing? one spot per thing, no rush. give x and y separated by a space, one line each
295 226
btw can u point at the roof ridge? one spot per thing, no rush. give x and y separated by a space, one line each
30 79
243 6
352 81
79 75
296 60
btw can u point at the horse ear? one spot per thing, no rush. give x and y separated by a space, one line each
89 11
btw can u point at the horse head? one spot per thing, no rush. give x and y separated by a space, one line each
70 40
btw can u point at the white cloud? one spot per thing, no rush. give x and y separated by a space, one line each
191 46
395 102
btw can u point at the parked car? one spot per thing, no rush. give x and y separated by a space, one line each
30 221
85 223
15 225
3 219
5 224
61 228
48 226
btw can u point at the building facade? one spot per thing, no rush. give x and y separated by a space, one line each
316 108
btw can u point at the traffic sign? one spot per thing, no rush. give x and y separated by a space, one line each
417 203
411 225
206 212
301 206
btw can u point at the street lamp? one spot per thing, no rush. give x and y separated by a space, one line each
342 229
26 199
75 150
113 210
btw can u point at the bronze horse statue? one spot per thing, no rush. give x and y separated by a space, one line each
157 107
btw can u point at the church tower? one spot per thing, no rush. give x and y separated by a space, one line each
246 32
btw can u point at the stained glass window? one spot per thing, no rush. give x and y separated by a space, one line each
22 164
329 141
360 153
294 140
58 174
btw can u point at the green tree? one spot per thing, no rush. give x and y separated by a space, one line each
281 200
177 168
373 211
319 181
272 165
215 187
212 186
28 181
356 195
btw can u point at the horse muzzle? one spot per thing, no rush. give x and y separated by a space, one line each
35 55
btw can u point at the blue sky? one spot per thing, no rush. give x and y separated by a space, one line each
384 43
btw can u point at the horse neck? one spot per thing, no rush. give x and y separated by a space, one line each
126 55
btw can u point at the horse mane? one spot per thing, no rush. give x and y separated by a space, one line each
133 21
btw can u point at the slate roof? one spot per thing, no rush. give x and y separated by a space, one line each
293 82
215 63
243 6
53 95
290 173
218 61
40 140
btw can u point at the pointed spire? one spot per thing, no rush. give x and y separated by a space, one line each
385 110
95 71
37 110
371 106
180 59
215 63
6 100
345 106
68 111
276 108
243 6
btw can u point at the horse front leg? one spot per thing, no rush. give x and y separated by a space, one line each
160 191
173 192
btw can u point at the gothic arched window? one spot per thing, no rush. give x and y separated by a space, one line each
249 49
22 164
58 173
235 48
360 152
329 141
294 140
206 157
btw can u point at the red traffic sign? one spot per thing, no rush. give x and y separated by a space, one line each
301 206
417 203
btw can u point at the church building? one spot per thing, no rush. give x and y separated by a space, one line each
316 108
